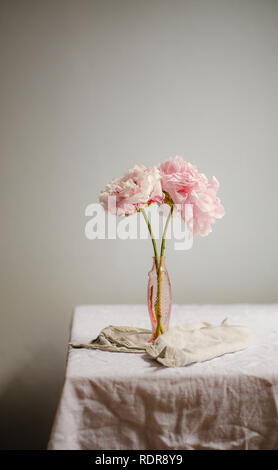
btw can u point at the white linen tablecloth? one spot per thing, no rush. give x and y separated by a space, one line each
114 400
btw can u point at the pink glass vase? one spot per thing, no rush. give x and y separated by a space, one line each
165 299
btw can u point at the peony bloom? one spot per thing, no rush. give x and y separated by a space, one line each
185 185
138 187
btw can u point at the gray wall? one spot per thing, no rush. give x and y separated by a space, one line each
88 89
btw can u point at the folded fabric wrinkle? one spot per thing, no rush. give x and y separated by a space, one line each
181 345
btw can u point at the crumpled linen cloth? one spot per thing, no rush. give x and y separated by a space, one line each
197 342
179 346
130 401
119 339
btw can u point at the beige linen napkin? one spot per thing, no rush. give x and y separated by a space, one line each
119 338
181 345
197 342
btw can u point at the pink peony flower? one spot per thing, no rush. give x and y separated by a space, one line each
138 187
185 185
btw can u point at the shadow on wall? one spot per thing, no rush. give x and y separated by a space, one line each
28 404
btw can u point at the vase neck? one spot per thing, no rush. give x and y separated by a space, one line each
162 260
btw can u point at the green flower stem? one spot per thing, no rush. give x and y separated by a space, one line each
159 328
164 233
152 237
155 257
